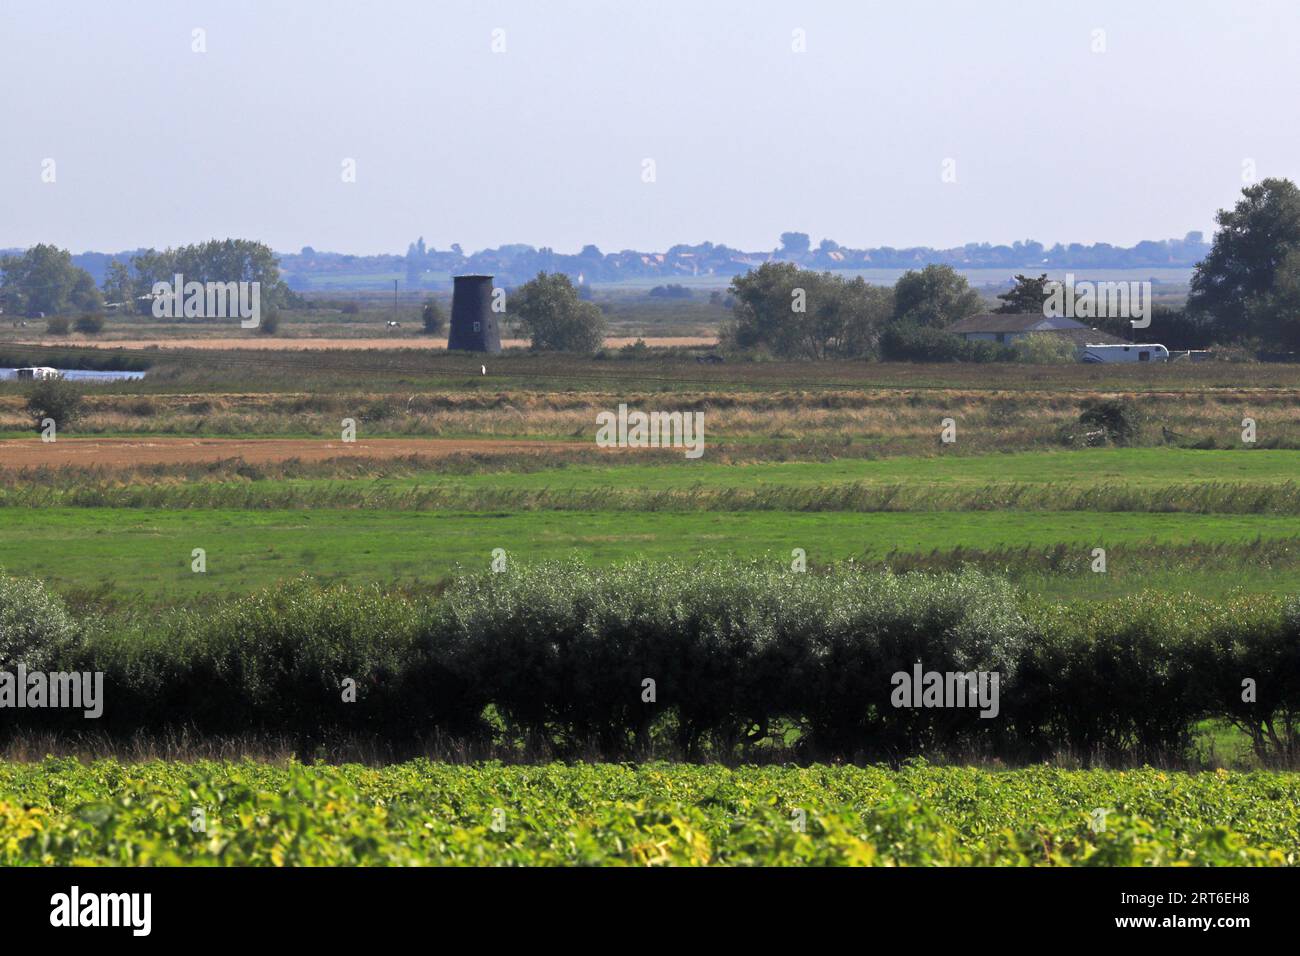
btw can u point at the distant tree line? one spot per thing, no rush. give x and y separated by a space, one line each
670 291
1245 293
44 280
424 265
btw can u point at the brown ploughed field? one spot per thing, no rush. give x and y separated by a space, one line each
117 452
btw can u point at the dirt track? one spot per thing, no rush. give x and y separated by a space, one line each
127 452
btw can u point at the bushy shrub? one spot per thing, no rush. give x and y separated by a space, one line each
1118 418
57 325
1044 348
56 398
431 318
35 627
92 323
555 316
905 342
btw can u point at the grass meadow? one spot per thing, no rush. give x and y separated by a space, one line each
143 555
1209 521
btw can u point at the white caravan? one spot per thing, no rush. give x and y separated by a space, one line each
1110 354
37 373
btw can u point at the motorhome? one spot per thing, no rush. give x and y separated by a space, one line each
36 373
1124 353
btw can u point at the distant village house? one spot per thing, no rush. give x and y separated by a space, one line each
1007 328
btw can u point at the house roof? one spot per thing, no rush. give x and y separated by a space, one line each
1086 336
1014 322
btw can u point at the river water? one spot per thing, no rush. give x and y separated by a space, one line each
81 375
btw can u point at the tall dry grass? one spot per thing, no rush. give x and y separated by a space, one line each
768 424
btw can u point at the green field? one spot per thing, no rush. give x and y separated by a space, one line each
1083 468
1174 518
1119 479
60 812
145 554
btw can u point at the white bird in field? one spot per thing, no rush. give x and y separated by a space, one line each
484 369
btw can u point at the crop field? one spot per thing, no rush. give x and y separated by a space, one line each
61 812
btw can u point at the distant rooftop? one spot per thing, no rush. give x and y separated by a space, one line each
1024 322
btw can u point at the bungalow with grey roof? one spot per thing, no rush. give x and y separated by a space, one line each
1006 328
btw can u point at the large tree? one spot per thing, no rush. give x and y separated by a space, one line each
553 315
43 279
1247 287
797 313
118 285
936 296
218 260
1026 295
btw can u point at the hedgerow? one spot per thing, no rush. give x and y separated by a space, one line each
703 661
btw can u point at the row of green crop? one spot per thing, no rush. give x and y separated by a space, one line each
60 812
709 658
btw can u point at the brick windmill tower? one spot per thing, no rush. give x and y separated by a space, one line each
474 325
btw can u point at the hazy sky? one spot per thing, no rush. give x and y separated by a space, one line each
155 144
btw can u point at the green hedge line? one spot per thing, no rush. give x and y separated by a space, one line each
740 655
